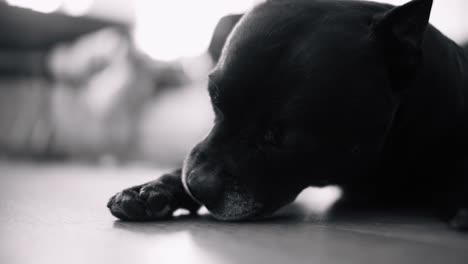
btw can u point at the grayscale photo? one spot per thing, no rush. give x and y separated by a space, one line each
242 131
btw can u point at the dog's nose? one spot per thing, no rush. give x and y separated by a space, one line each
204 184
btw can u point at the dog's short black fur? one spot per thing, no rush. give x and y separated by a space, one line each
312 92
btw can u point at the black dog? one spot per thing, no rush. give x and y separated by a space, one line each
364 95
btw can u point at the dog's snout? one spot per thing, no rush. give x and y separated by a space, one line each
204 184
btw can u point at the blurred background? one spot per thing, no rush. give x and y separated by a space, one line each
120 81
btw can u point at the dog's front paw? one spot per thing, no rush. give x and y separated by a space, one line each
141 203
460 220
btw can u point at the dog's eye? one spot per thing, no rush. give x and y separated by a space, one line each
269 137
272 137
287 138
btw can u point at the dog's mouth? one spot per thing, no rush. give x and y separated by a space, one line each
238 204
235 203
236 207
239 207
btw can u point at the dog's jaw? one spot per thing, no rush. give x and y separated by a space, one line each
234 201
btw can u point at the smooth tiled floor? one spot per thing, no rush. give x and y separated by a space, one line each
57 214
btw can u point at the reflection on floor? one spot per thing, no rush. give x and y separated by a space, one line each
57 214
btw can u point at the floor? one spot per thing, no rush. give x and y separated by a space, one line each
57 214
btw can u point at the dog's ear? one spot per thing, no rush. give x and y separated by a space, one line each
401 31
220 35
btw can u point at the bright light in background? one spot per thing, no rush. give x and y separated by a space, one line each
44 6
172 29
77 7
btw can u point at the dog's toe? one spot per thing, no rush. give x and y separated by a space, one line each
158 202
126 205
149 203
460 221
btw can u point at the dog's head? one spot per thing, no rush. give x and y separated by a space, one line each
304 93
